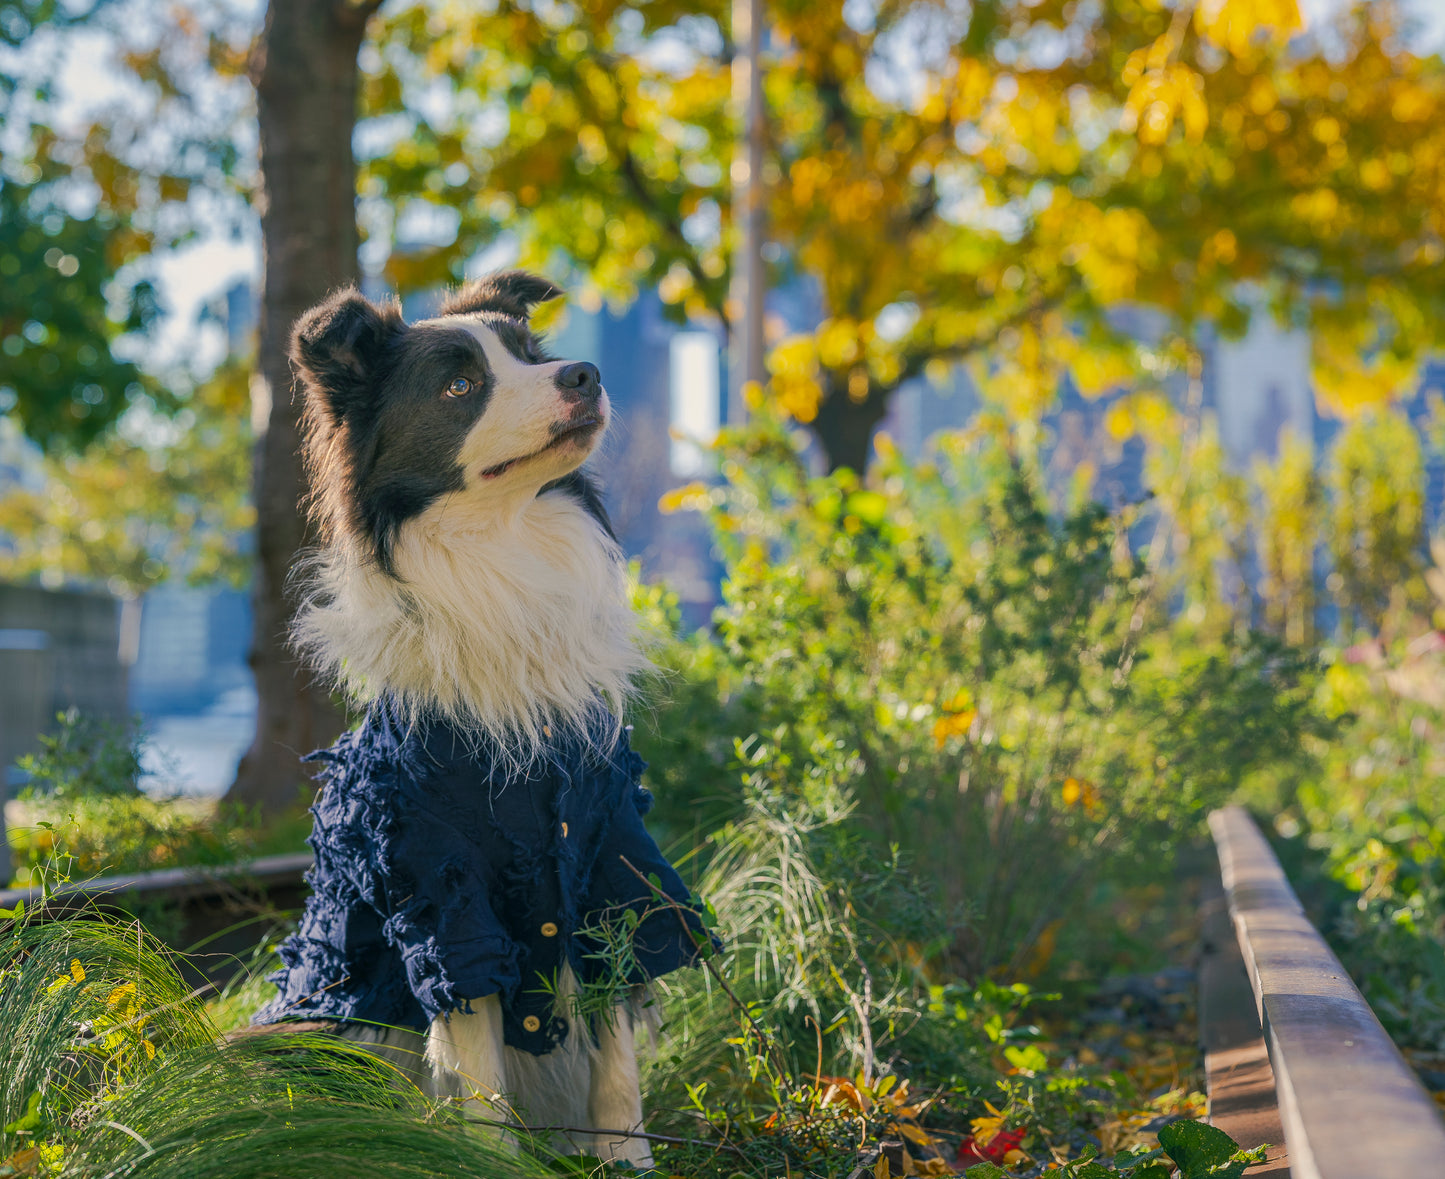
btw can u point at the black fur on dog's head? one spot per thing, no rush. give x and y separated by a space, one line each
398 415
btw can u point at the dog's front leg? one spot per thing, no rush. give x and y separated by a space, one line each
614 1096
466 1059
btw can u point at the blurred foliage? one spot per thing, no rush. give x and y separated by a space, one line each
84 757
1289 522
991 182
81 813
108 834
61 379
1377 525
1364 835
1003 691
146 471
92 184
163 499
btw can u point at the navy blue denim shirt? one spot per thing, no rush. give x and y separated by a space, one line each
443 876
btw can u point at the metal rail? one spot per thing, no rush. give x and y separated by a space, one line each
1350 1105
218 913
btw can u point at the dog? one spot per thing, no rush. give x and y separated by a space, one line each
479 838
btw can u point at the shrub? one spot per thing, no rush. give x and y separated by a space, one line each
993 684
86 757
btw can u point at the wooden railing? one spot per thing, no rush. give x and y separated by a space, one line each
1349 1105
218 914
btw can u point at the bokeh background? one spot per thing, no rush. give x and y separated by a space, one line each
1050 211
1059 455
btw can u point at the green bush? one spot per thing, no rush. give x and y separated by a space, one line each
84 814
86 757
1364 836
994 685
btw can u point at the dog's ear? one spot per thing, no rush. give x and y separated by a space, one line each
512 292
337 346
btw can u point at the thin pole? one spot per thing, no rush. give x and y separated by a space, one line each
745 362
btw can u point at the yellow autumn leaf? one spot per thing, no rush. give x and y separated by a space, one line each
954 725
122 993
986 1129
1235 23
960 701
1119 422
690 497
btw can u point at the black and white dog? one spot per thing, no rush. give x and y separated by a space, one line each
481 830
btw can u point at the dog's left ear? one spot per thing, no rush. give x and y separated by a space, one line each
512 292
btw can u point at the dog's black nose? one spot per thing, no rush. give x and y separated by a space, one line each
579 381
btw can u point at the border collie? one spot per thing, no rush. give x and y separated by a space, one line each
479 837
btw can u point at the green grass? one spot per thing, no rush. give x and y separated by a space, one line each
110 1067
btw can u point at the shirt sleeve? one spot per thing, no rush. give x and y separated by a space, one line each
670 932
431 893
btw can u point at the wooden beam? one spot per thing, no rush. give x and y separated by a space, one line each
1351 1107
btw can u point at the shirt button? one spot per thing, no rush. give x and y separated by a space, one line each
549 929
531 1023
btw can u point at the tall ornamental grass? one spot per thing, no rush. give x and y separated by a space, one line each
110 1068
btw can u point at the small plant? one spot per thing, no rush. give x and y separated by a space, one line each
86 757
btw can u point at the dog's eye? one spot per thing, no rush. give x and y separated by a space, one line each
459 387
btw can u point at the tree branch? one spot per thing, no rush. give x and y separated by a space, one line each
630 172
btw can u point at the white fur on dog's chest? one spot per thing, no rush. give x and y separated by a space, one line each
507 620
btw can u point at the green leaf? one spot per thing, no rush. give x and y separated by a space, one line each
30 1120
1027 1058
1136 1156
1206 1152
13 914
985 1171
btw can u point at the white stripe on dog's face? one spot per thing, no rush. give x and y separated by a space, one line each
530 432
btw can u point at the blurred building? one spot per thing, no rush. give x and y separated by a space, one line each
191 648
59 649
1255 387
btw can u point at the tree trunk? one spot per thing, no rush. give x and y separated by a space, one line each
844 427
306 79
